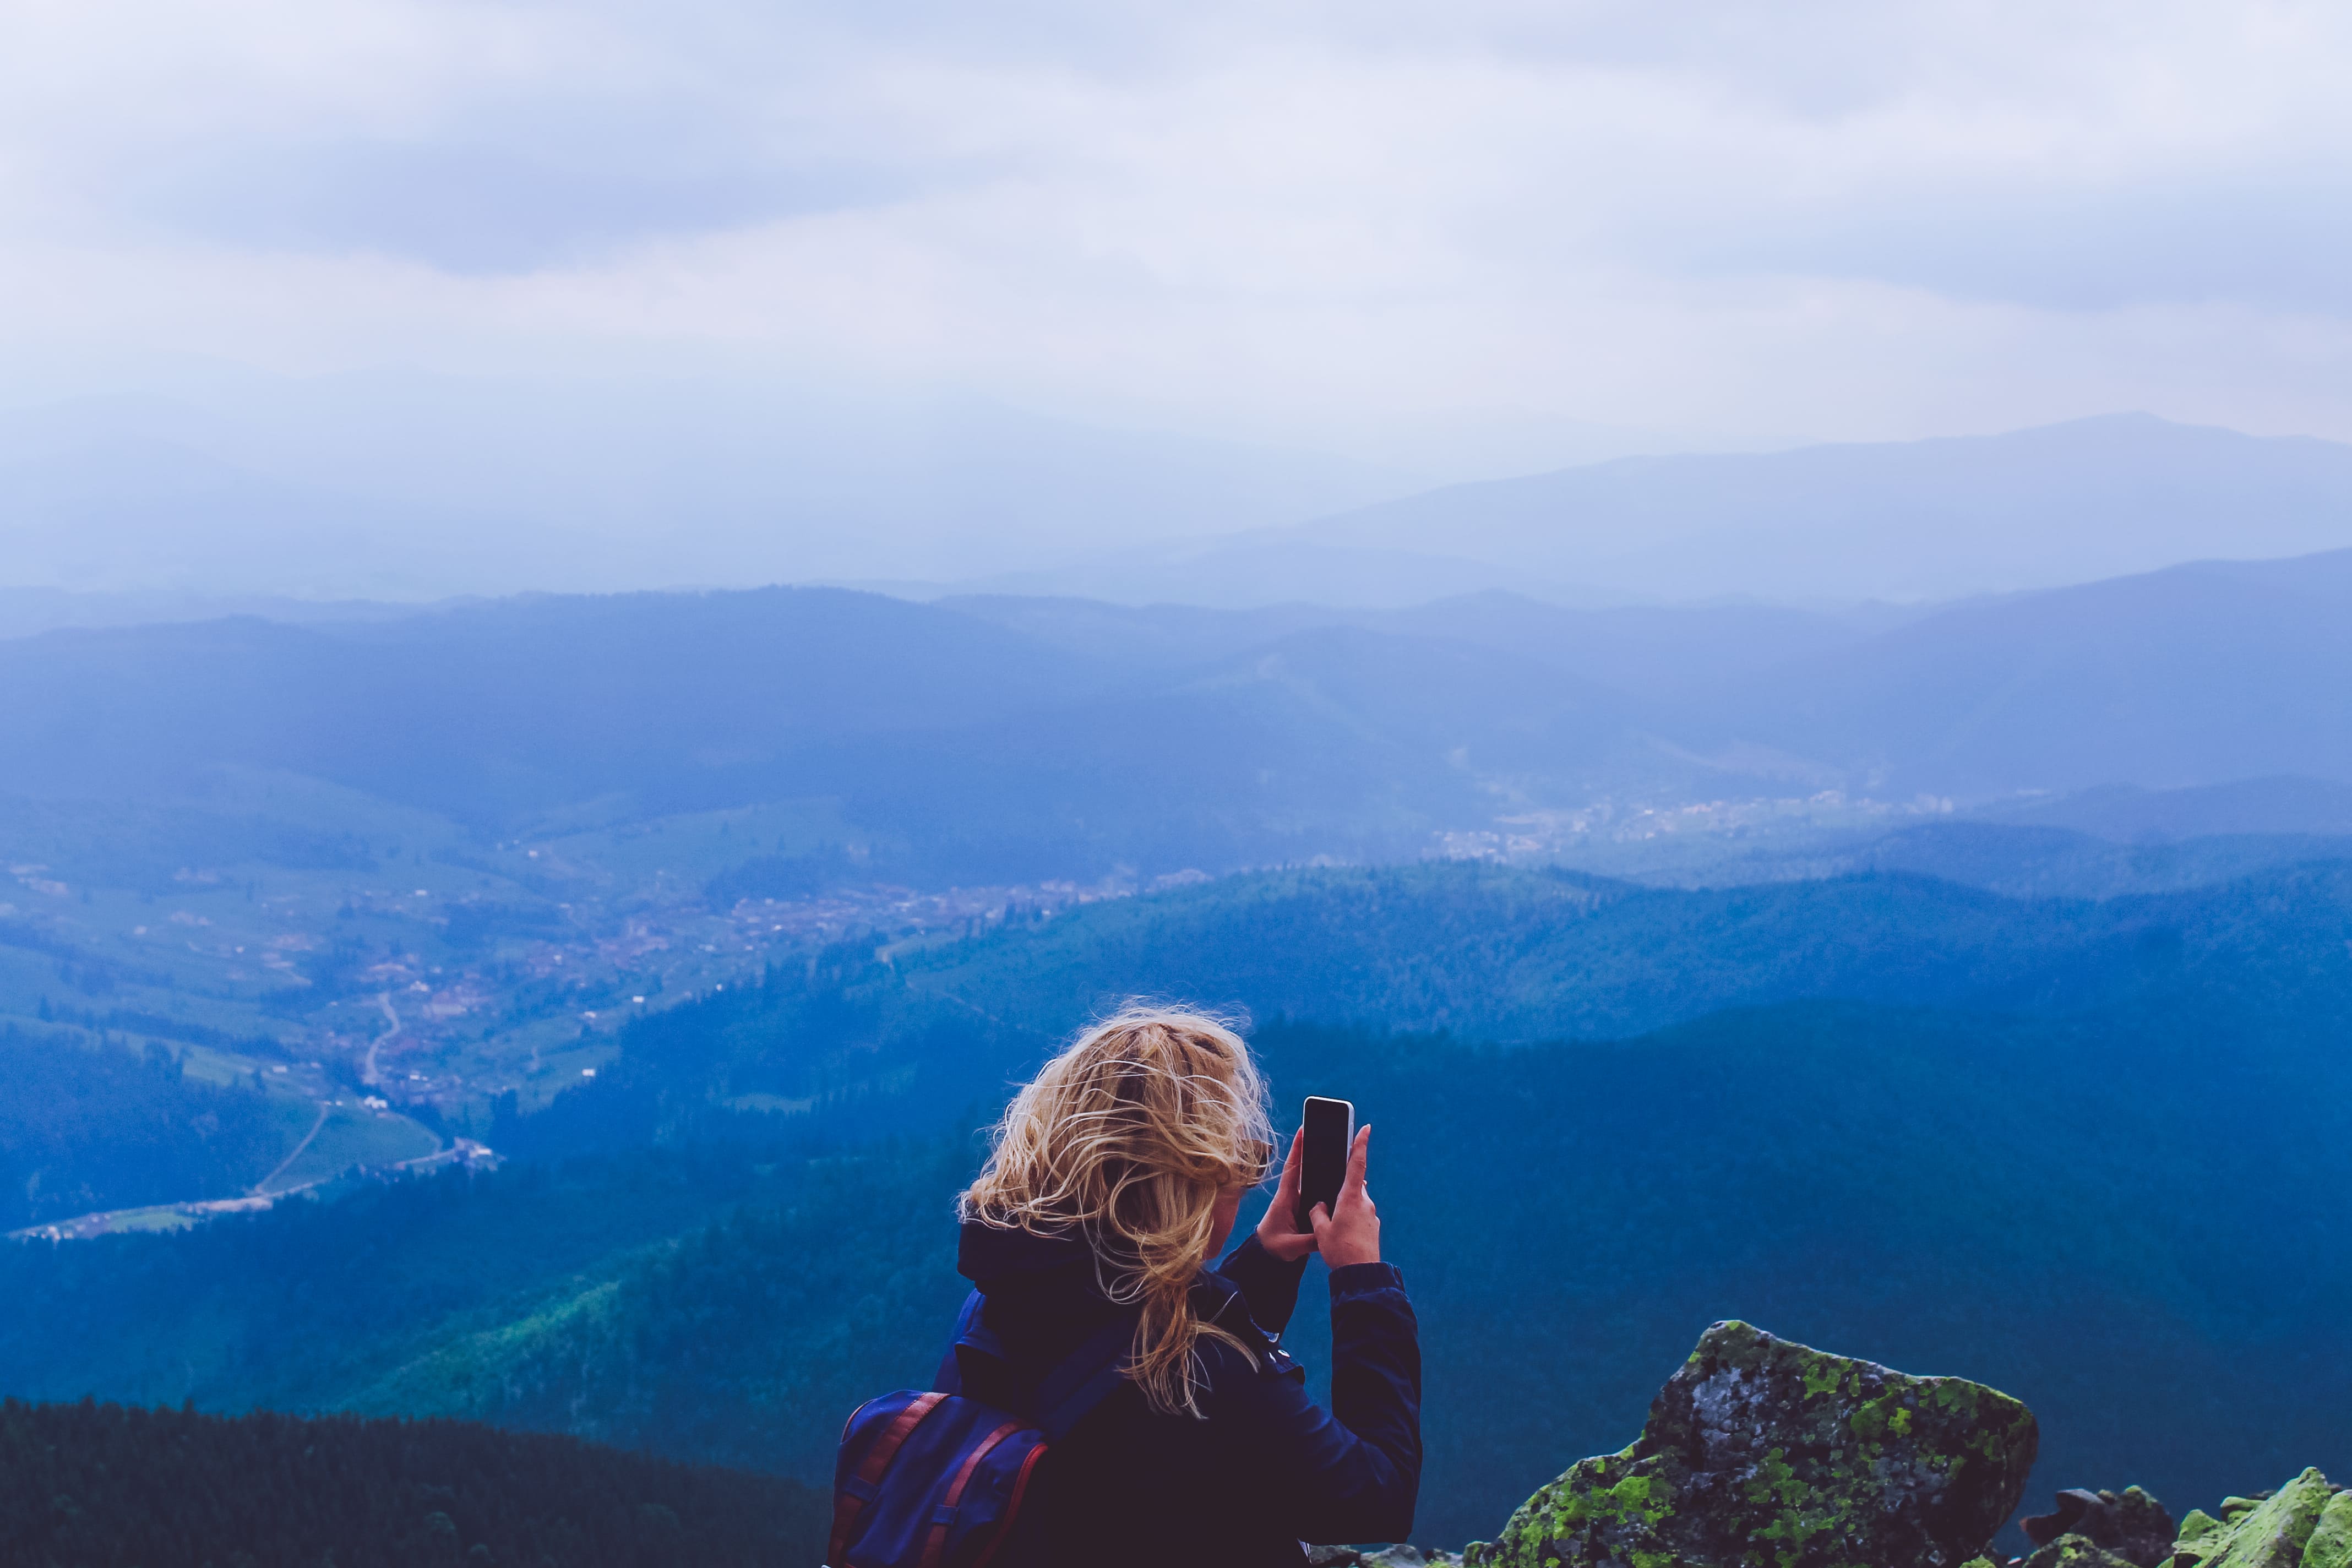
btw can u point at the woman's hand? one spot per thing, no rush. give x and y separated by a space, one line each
1353 1233
1278 1232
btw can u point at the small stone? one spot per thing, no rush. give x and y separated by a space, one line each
2133 1526
2079 1513
1762 1451
2077 1552
2148 1528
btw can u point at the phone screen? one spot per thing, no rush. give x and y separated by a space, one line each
1330 1126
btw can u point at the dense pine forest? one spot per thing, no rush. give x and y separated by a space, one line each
98 1126
105 1485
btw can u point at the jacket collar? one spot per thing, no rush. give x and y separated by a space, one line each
1009 1262
994 1259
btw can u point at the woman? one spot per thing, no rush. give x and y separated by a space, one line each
1115 1178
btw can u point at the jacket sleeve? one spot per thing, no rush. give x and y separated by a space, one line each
1353 1472
1268 1285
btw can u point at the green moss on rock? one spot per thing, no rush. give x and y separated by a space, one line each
2271 1533
1759 1453
2330 1545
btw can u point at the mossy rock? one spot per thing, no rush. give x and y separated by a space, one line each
1764 1454
2330 1545
2278 1532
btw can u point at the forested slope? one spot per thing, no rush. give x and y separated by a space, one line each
932 1029
91 1484
2092 1153
84 1128
2118 1217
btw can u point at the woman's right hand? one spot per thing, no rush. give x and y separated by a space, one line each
1353 1233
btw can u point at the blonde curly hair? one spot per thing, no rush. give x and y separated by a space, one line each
1127 1138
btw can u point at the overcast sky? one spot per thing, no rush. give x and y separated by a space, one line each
1365 227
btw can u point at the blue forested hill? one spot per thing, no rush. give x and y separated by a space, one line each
1484 951
2091 1217
2090 1152
1027 740
494 711
2198 675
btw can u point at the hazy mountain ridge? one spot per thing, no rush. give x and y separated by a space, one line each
2196 675
422 487
532 703
2243 807
1936 519
1283 734
407 485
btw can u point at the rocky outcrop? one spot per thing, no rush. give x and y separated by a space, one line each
1763 1454
1759 1453
2306 1523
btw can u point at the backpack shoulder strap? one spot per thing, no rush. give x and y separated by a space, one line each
1084 1378
969 1332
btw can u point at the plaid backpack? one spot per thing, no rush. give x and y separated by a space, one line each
935 1479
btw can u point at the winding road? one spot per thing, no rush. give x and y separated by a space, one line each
261 1187
369 1075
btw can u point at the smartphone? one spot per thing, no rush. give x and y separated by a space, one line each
1330 1127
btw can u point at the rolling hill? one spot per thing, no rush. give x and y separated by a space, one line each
1008 740
2195 676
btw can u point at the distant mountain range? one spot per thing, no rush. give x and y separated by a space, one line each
1934 519
1918 519
1006 739
407 486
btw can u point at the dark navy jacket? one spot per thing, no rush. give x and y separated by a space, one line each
1266 1468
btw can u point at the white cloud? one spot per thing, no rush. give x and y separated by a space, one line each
1307 222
